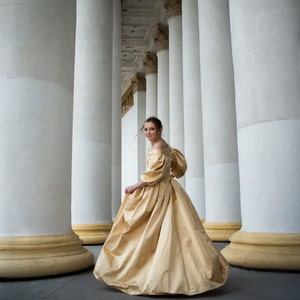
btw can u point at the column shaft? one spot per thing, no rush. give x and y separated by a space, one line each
219 122
151 94
150 65
193 137
163 91
92 133
266 65
175 77
133 140
161 39
116 110
36 91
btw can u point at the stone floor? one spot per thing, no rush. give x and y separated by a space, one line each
241 284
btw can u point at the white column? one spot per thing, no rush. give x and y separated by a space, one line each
161 39
219 122
193 137
175 74
150 65
133 140
116 110
267 82
151 94
92 133
36 91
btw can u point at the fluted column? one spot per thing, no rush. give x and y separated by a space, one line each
219 122
116 110
133 140
36 89
161 39
150 65
193 137
92 133
267 82
173 8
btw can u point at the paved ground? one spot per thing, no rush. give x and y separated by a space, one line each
241 284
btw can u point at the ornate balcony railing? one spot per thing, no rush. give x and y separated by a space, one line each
127 100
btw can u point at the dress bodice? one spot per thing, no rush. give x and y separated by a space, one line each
160 164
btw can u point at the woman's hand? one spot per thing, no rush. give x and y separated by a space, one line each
131 188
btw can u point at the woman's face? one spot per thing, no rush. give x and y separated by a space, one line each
151 132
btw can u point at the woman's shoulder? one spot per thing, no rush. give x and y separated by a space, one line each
160 146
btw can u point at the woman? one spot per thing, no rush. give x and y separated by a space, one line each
157 244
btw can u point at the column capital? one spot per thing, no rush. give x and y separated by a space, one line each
173 7
161 37
138 82
150 62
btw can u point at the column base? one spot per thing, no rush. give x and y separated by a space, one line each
92 234
221 231
37 256
256 250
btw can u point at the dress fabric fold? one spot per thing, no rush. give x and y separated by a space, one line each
157 244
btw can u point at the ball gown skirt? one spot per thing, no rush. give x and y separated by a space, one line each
157 244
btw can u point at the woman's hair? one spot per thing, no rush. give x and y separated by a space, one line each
154 120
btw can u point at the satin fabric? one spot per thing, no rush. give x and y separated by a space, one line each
157 244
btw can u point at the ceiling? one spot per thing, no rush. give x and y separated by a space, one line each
139 21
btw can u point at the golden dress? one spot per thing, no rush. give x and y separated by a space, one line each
157 244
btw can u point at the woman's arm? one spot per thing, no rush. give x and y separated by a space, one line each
130 189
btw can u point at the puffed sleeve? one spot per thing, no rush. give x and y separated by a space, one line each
178 165
157 168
